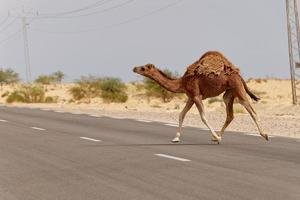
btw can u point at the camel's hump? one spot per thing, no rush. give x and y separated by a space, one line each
212 62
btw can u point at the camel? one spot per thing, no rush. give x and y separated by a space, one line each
208 77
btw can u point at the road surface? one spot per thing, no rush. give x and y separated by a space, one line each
46 155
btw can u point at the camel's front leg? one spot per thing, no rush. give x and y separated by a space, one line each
187 107
199 104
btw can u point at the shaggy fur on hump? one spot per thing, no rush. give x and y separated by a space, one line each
212 62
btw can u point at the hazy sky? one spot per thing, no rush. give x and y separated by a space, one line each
124 33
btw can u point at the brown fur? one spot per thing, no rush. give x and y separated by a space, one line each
208 77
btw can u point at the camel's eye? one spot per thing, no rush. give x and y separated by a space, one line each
149 66
143 69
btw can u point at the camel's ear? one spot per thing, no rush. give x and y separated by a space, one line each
150 66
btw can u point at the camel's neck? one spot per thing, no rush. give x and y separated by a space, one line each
173 85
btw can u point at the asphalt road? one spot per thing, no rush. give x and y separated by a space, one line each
46 155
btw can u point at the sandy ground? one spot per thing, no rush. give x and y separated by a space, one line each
275 110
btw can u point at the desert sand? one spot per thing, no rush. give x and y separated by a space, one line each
275 110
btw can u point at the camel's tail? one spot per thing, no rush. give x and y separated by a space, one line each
255 98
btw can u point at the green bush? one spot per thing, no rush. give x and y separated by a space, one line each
44 80
77 92
110 89
86 88
50 99
55 77
113 90
35 94
155 90
15 96
27 94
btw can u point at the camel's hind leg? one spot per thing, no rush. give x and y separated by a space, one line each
245 102
187 107
199 104
228 100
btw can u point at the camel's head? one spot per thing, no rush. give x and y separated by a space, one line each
146 70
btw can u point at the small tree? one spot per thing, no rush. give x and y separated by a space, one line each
154 89
8 76
58 76
11 76
44 80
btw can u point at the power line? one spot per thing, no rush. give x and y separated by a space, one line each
93 5
10 37
137 18
20 1
91 13
4 20
8 25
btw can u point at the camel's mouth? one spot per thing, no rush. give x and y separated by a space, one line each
135 70
138 70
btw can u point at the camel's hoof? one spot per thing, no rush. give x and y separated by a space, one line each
214 140
266 137
175 140
217 140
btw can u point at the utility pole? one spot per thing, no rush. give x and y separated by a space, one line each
294 45
23 16
26 48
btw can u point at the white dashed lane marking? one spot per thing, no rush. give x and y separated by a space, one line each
37 128
257 135
172 157
90 139
118 117
142 120
94 115
174 125
59 111
3 120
